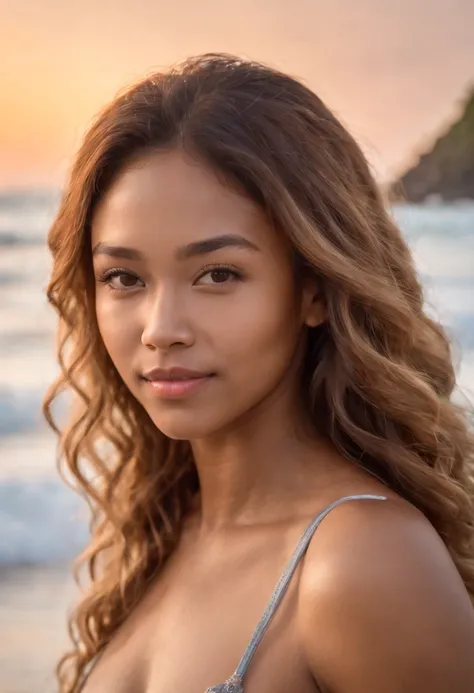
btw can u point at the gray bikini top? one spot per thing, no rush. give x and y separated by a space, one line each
235 684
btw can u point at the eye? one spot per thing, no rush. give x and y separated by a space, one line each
218 274
125 280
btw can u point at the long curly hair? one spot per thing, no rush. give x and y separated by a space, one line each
378 375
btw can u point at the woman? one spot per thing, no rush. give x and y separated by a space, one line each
243 325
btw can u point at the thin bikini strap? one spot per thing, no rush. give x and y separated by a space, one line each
285 578
234 683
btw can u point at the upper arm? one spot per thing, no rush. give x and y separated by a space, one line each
382 607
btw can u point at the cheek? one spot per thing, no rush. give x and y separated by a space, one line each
119 333
258 336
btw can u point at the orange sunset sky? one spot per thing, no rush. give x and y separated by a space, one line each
394 72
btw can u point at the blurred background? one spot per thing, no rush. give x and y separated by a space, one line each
399 75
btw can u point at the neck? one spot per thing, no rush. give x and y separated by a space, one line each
262 470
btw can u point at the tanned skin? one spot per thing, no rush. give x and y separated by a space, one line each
376 606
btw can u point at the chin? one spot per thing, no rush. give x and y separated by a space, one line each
186 425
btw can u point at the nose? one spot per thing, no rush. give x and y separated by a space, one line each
166 324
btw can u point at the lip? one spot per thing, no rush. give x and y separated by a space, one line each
175 382
174 373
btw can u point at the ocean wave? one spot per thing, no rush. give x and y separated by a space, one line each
21 199
20 410
8 278
40 522
15 238
444 220
18 413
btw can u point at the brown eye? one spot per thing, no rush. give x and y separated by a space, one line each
218 275
125 279
119 280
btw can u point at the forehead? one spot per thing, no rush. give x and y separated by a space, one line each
169 197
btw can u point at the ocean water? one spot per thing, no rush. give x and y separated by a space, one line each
41 520
43 524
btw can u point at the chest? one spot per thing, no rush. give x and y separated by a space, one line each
193 625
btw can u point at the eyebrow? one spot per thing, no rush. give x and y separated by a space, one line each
207 245
210 245
116 251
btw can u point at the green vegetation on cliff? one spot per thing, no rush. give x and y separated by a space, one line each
447 171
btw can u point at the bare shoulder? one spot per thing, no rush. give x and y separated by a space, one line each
382 606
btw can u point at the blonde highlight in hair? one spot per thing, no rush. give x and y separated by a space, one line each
378 375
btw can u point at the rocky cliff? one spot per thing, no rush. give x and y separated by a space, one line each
445 173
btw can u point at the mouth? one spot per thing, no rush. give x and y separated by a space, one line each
176 383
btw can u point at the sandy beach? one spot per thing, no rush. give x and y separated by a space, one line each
34 600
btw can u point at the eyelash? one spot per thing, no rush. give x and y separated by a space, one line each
207 269
108 275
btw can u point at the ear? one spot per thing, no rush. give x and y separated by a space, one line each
313 305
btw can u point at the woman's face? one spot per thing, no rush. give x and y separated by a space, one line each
190 276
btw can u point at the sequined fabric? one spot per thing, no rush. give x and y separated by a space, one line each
232 685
